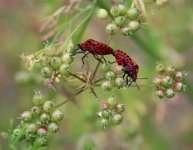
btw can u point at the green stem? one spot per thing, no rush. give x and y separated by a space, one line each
74 75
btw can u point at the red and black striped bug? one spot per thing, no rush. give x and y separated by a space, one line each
130 67
95 48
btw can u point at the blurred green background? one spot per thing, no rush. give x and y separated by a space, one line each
149 124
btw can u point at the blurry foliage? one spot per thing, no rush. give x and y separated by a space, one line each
149 123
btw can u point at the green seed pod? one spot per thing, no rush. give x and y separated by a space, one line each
42 131
106 86
126 31
170 70
106 66
53 127
38 99
178 87
36 110
118 70
179 76
41 141
64 69
55 62
100 114
170 93
120 108
160 93
104 105
111 28
133 25
26 116
101 14
44 61
106 113
112 100
48 106
50 50
67 58
166 82
120 21
133 13
119 82
31 128
57 115
160 68
110 75
157 81
44 117
115 11
123 9
17 132
104 122
117 119
46 72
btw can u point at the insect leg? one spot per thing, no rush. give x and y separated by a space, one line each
85 54
97 57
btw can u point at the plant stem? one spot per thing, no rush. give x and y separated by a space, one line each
69 99
74 75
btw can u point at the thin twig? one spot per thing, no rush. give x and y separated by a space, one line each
74 75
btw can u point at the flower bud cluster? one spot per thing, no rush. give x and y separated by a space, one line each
125 19
113 77
39 122
111 113
168 82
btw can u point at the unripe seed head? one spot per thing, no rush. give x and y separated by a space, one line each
16 132
133 13
107 86
38 99
110 75
42 131
100 114
115 11
111 28
31 128
167 82
170 93
160 68
104 122
67 58
55 62
44 61
160 93
112 100
170 70
117 119
157 81
120 108
118 70
41 141
26 116
119 82
133 26
53 127
48 106
104 105
120 21
106 113
50 50
44 117
101 14
178 87
64 69
123 9
36 110
46 72
57 115
125 31
178 76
